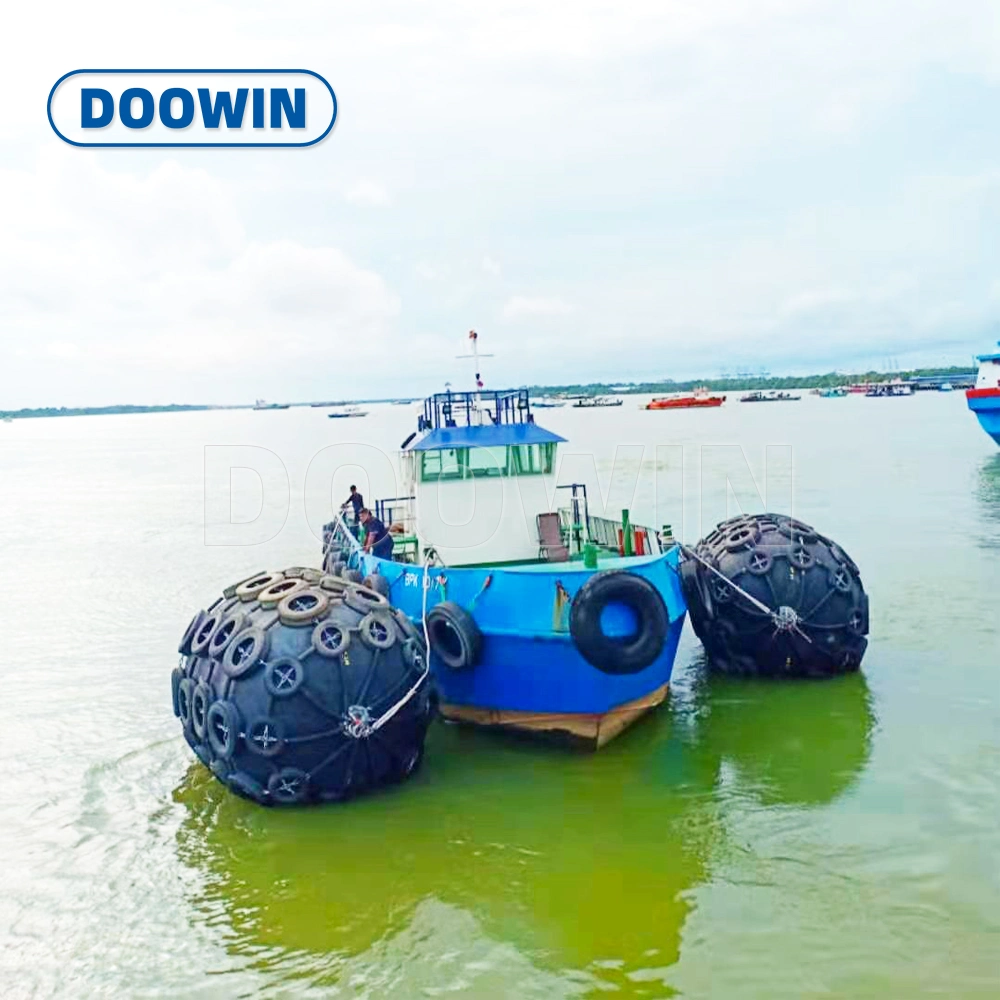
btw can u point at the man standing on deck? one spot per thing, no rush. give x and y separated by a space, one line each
355 500
378 540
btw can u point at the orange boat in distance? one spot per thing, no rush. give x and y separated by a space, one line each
698 398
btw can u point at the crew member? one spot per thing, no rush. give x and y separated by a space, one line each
378 540
355 500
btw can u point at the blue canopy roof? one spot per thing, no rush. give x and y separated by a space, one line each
486 436
989 357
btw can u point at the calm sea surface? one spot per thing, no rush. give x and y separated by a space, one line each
835 839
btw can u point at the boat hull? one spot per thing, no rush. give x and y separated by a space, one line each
985 403
587 731
530 676
685 404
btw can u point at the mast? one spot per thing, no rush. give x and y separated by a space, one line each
474 339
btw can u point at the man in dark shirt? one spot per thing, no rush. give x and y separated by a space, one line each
355 500
378 541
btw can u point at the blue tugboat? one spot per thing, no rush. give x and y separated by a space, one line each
984 397
544 620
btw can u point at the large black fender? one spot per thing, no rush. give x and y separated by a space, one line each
771 596
613 654
454 635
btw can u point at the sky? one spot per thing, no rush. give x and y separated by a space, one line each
603 191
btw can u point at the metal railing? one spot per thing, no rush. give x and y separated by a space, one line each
397 510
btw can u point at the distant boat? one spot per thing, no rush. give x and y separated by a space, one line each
264 405
351 411
889 389
587 402
697 399
834 392
945 387
768 397
8 419
548 404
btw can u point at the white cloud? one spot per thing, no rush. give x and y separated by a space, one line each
523 306
116 271
368 193
719 177
427 271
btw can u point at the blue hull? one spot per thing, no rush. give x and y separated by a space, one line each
987 411
529 662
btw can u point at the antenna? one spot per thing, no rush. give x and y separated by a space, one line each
475 355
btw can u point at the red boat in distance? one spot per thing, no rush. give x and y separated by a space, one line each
698 398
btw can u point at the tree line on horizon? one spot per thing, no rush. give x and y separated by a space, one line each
751 382
734 384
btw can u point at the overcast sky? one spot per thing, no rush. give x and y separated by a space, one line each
604 191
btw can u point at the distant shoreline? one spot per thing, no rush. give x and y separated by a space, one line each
736 384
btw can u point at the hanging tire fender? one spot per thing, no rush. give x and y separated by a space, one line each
614 654
454 635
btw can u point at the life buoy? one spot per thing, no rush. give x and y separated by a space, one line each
454 635
618 654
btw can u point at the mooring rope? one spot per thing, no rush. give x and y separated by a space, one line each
358 725
785 619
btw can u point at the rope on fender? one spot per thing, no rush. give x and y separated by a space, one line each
785 619
357 720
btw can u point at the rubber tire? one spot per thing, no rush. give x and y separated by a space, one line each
616 655
184 648
448 625
328 651
201 701
258 650
226 713
377 582
375 640
228 629
361 598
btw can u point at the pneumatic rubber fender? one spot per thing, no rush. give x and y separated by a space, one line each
619 654
811 615
303 688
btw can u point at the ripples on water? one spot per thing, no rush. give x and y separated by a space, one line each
749 840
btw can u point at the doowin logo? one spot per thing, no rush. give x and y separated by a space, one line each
192 107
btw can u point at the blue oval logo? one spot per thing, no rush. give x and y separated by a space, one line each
244 108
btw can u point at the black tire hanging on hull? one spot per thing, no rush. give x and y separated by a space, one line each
618 654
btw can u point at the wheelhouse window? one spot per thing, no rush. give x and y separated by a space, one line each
486 462
443 463
475 463
531 459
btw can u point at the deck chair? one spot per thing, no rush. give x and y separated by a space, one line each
550 544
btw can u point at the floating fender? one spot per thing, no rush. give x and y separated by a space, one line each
285 695
616 651
454 635
816 618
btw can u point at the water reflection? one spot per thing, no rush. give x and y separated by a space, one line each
988 496
798 743
581 866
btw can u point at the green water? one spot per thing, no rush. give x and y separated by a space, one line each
833 839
